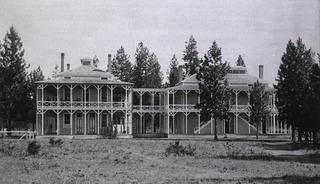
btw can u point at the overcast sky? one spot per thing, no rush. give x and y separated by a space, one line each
258 30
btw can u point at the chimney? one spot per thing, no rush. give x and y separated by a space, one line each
261 71
109 63
62 62
180 72
68 66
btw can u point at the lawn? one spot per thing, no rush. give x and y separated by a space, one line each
146 161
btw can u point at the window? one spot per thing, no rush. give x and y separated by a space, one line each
66 121
104 120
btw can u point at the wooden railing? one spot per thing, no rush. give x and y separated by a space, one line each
55 104
27 134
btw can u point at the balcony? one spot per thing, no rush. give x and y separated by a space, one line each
80 105
183 107
148 108
239 108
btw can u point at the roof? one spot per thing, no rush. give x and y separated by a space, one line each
85 71
243 79
83 81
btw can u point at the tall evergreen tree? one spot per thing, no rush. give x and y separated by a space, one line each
31 108
190 56
13 77
293 83
214 91
146 70
153 76
258 105
173 72
240 62
140 66
121 66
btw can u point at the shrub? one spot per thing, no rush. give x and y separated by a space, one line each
109 132
57 142
33 148
178 150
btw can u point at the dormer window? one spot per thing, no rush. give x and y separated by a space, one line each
86 61
104 78
67 77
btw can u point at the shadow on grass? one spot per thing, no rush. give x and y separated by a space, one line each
290 146
309 158
283 179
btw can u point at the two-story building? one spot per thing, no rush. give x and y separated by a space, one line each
86 100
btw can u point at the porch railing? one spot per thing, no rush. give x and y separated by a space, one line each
55 104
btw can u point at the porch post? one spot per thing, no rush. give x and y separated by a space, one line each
199 122
58 122
42 122
42 113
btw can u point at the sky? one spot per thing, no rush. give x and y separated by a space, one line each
258 30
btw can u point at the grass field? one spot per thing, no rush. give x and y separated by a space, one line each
146 161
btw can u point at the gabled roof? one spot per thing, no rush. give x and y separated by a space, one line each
85 71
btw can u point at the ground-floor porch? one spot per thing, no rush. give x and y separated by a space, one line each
83 122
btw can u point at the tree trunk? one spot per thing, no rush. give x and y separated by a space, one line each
306 137
257 132
293 133
215 130
315 137
9 127
299 135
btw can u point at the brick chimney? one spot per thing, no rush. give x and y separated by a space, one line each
261 71
68 66
62 62
109 63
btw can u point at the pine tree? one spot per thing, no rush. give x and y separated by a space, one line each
214 91
173 72
30 113
190 56
240 62
13 77
146 70
258 105
153 76
121 66
140 66
293 83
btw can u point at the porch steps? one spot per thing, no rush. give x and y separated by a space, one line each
55 136
202 127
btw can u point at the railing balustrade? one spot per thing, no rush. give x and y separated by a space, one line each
67 104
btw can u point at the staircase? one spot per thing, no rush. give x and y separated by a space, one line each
202 126
251 126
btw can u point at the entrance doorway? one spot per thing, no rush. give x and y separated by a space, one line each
92 123
79 129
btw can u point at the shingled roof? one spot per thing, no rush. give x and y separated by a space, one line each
85 71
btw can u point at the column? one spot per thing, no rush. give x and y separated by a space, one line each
85 106
237 129
140 125
42 122
85 122
71 114
98 92
71 122
152 115
199 121
126 110
58 122
42 112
